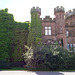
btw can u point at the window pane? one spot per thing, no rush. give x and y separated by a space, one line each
49 32
67 33
46 32
68 46
49 27
74 47
71 45
46 27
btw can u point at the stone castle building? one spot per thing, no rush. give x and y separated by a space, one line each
61 28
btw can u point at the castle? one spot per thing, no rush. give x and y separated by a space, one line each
61 28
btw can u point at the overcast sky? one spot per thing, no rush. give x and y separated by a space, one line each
21 8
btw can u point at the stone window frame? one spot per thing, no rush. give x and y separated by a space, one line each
48 30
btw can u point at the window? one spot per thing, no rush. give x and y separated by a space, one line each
68 46
73 45
47 30
67 33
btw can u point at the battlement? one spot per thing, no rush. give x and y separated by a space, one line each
59 9
48 19
69 13
37 9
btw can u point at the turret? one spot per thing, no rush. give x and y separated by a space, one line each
37 9
60 25
59 12
59 9
70 13
59 15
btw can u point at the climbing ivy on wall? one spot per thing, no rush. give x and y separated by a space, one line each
13 36
35 29
6 34
19 40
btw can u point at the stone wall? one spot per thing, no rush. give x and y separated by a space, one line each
62 23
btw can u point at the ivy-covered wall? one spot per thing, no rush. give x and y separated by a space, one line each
35 29
13 37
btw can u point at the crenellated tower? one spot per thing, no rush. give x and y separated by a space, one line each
61 28
60 22
59 12
36 10
70 13
35 28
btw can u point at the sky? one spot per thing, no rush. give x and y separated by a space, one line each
21 8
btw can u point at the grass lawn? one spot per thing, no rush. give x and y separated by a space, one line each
19 68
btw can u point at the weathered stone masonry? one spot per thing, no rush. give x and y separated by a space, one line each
61 28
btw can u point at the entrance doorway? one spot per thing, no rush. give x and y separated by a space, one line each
61 42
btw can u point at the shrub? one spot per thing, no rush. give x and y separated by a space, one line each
4 65
46 57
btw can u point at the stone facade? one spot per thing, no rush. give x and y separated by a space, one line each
61 28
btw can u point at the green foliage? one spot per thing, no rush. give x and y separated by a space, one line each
4 65
38 40
19 40
4 10
13 39
13 36
46 57
72 49
6 22
35 29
